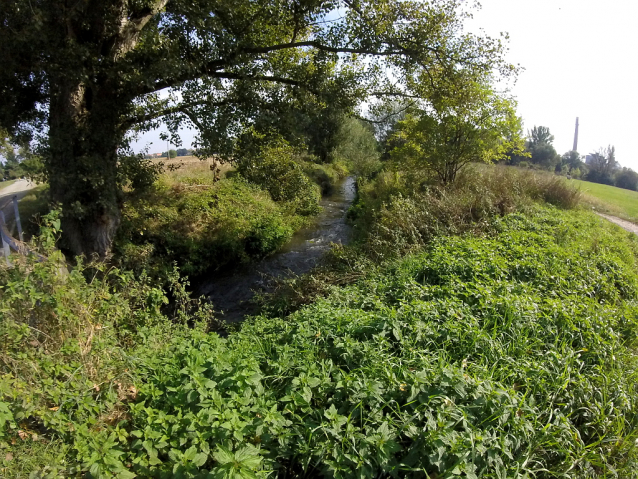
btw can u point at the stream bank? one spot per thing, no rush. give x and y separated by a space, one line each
231 294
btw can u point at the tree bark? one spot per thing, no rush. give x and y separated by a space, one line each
82 165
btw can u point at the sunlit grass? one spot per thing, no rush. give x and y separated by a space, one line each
617 201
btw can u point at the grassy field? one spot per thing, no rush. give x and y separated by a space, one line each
616 201
4 184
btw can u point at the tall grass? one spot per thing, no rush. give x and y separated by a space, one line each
393 215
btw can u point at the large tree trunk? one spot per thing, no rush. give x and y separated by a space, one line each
82 164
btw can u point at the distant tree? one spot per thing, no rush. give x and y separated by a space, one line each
357 145
627 179
540 134
539 145
473 124
571 161
182 152
602 166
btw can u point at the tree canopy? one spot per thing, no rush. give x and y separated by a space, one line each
475 125
602 166
84 76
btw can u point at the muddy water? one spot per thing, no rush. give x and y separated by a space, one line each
231 294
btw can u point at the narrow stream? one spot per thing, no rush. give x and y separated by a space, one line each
231 294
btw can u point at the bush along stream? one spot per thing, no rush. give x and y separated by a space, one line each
231 294
506 351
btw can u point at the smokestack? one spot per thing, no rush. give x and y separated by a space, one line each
576 137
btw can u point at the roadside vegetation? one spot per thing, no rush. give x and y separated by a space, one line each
610 199
494 339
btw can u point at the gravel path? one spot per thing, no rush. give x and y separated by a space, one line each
629 226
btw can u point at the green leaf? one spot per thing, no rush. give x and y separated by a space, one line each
126 475
248 456
223 455
200 459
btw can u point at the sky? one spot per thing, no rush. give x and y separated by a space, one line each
580 59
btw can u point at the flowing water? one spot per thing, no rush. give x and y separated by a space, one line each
231 294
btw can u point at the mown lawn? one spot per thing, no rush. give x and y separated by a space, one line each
618 201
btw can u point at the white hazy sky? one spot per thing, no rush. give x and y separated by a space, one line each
580 59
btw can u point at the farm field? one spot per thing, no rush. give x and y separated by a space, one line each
616 201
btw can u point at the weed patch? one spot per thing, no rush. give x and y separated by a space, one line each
484 357
202 225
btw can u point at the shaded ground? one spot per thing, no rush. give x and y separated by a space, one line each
231 294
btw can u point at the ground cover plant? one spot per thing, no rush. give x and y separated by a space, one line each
502 353
480 357
203 225
510 334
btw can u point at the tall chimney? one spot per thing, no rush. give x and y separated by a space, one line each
576 137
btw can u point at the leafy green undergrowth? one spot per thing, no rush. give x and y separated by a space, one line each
506 355
69 356
202 225
502 356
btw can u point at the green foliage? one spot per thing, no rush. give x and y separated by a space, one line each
571 162
358 148
202 225
274 168
392 217
500 355
138 174
602 166
473 124
69 353
214 65
325 175
489 357
541 152
627 179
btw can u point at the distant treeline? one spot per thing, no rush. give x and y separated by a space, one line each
599 167
172 153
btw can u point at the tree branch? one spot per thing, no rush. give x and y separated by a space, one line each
180 108
132 25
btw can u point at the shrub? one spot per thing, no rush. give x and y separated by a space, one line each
393 215
325 175
202 225
275 170
69 354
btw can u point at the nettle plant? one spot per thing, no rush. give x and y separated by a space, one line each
491 357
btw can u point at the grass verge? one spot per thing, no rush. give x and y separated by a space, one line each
610 199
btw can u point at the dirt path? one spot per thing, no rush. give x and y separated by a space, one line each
20 189
629 226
